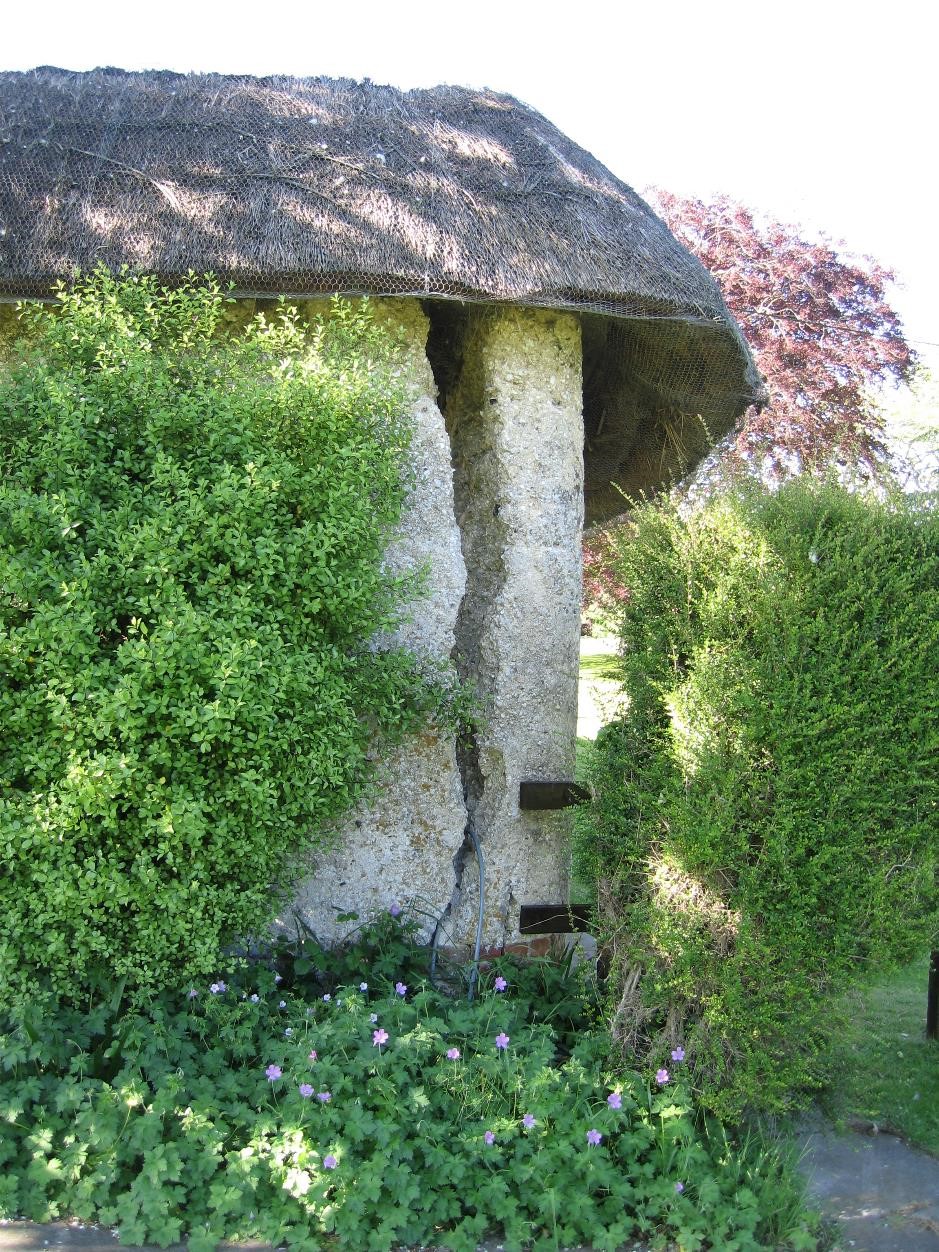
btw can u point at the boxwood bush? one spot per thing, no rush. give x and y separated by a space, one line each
765 826
192 524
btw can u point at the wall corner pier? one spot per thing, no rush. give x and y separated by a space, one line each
516 427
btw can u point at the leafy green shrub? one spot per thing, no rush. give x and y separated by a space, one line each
371 1116
192 524
765 825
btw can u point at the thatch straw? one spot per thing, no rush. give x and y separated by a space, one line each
290 186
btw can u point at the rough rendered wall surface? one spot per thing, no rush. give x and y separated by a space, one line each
516 427
402 845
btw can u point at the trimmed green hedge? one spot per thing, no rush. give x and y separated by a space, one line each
192 524
766 827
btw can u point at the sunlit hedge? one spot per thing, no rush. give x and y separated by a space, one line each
766 827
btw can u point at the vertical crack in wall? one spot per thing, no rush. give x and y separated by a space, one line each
511 391
454 351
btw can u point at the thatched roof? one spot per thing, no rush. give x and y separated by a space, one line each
291 186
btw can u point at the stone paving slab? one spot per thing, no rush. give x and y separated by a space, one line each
883 1193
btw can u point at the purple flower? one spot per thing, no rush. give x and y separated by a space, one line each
661 1077
288 1032
500 984
282 1004
192 993
273 1072
395 909
373 1018
453 1054
329 1162
400 989
278 978
363 986
678 1054
615 1100
324 1097
255 999
502 1040
594 1137
312 1056
326 998
306 1090
489 1137
379 1037
679 1187
528 1121
217 988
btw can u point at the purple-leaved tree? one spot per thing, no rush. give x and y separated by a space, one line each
820 326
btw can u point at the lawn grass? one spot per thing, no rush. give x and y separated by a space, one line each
582 888
884 1069
599 665
595 668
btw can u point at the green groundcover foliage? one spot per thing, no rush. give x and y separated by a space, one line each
192 523
320 1103
765 831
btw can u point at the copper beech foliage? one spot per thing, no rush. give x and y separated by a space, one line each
819 324
824 337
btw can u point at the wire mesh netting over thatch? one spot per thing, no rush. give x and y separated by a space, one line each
301 187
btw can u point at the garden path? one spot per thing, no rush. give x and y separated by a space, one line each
883 1193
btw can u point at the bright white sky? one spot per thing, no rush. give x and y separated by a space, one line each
821 113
